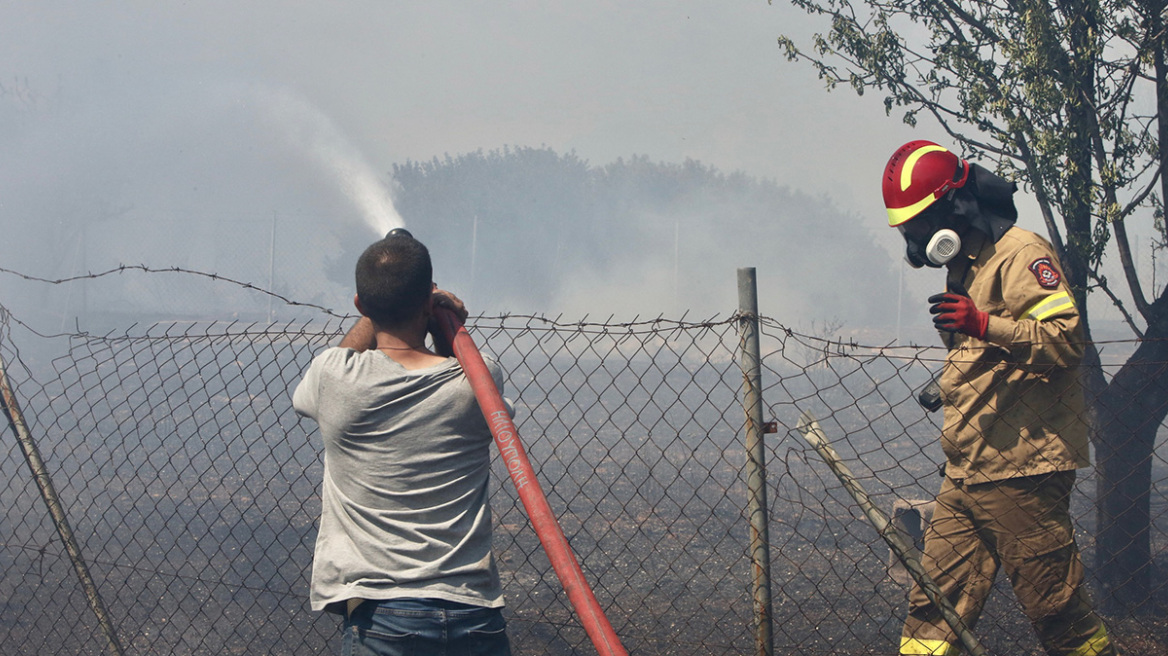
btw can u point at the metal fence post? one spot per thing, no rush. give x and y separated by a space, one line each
32 456
751 363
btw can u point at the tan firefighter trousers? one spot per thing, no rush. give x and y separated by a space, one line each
1024 526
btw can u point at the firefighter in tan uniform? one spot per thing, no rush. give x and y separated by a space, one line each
1013 431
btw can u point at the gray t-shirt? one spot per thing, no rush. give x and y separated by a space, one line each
404 509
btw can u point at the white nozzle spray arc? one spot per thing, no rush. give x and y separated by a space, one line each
310 129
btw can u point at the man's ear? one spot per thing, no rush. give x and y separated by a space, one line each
357 304
428 306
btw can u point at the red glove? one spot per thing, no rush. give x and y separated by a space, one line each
956 313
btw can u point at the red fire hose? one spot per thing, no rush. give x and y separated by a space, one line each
551 536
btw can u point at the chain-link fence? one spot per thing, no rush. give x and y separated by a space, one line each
192 489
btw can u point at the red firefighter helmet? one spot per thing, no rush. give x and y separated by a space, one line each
919 173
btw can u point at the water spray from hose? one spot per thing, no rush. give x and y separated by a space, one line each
309 129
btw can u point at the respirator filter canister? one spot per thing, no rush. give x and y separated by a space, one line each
943 246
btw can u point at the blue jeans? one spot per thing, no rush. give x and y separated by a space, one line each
405 627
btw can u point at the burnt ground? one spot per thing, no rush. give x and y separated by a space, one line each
223 573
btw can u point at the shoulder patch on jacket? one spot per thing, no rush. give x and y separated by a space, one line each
1048 276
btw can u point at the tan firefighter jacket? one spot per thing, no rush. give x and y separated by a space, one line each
1013 403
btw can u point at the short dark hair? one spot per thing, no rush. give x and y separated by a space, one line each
394 280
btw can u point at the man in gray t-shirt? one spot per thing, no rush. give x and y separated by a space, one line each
404 545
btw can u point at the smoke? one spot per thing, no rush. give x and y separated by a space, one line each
251 182
255 183
309 129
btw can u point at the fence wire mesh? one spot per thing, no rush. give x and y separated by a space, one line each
192 488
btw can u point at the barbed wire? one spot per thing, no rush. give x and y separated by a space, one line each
122 268
585 324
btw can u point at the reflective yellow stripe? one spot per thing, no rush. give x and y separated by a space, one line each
898 215
1049 306
918 647
1095 645
911 162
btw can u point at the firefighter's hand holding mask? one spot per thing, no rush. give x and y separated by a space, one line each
955 312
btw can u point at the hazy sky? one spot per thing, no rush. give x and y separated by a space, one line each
701 79
230 109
